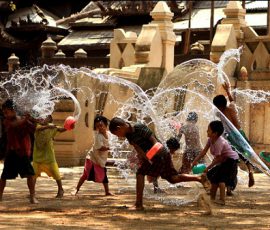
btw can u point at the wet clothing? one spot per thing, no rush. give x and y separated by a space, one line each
43 154
18 149
225 171
94 168
97 156
193 145
15 165
94 172
161 164
43 145
51 169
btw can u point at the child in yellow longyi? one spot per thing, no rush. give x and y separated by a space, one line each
43 154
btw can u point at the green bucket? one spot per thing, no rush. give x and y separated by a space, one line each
198 169
262 155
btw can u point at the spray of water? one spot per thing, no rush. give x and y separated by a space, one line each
189 87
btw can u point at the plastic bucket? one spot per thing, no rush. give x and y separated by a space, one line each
199 168
69 123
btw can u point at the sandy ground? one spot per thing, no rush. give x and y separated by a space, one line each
247 209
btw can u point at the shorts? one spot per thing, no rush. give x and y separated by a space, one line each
15 165
161 165
51 170
225 172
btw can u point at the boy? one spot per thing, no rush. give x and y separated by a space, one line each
18 149
43 154
143 140
230 112
193 141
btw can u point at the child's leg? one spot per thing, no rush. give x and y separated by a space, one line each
2 187
155 183
139 191
251 181
186 165
106 188
185 177
222 187
60 192
213 191
31 186
80 183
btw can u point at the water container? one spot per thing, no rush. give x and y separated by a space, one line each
264 156
199 168
69 123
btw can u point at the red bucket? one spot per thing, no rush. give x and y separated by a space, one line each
69 123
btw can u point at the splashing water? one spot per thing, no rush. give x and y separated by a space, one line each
189 87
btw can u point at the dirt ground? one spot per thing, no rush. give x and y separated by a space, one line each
247 209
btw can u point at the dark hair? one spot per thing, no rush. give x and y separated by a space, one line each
115 122
216 127
100 118
173 143
192 116
8 104
220 101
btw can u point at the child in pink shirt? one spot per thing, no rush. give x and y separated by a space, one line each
222 171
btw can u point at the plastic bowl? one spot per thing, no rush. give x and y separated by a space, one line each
198 169
69 123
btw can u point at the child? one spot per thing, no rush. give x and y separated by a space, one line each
143 140
223 169
173 145
193 142
230 112
18 149
94 168
43 153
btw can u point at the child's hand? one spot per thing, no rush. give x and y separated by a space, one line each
226 86
194 163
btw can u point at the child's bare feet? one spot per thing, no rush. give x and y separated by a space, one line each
220 202
229 192
33 200
108 194
251 181
158 190
74 192
205 182
137 207
60 194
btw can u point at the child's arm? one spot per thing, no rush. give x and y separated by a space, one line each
216 160
61 129
226 87
103 148
201 155
43 127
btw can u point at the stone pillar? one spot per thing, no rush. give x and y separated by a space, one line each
162 16
60 54
80 53
235 14
13 63
48 48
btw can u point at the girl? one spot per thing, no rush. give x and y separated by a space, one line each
222 171
94 168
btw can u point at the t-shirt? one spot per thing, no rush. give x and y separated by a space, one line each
222 147
97 156
43 145
140 136
192 137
